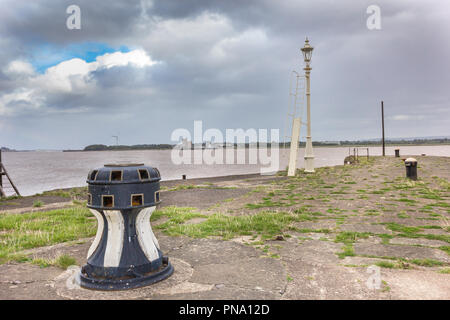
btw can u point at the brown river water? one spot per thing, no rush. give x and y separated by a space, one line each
37 171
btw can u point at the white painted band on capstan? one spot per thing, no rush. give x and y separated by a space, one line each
98 236
146 238
114 245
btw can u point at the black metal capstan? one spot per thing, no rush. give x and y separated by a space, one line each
125 253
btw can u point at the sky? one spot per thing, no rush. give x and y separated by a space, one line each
141 69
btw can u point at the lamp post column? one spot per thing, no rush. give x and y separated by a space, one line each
309 156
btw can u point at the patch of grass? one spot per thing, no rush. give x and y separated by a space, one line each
347 251
176 215
266 203
385 264
372 212
426 262
440 204
410 201
445 249
41 262
435 215
307 230
431 227
38 203
401 228
191 186
385 238
265 224
445 271
63 261
385 288
412 232
348 237
38 229
403 215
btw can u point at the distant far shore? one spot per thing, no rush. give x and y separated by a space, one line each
319 144
281 145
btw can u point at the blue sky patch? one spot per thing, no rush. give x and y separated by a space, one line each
48 55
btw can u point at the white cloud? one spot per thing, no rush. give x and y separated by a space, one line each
138 58
70 76
19 67
22 98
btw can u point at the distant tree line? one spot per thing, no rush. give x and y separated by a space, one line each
102 147
398 141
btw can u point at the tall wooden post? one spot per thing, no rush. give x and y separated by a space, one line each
1 171
382 126
2 193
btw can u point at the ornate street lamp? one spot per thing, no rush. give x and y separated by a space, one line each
309 156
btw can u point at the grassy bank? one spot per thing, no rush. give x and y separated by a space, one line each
19 232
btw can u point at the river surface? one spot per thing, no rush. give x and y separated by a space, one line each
37 171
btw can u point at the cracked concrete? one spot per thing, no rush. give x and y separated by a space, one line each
302 264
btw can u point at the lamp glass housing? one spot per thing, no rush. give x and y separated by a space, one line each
307 51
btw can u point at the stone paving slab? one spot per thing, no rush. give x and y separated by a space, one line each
365 227
207 252
418 241
417 284
403 251
310 250
223 293
265 273
316 281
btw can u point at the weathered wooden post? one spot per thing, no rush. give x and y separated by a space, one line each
2 194
3 172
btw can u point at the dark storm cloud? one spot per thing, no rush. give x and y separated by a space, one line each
34 22
228 63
